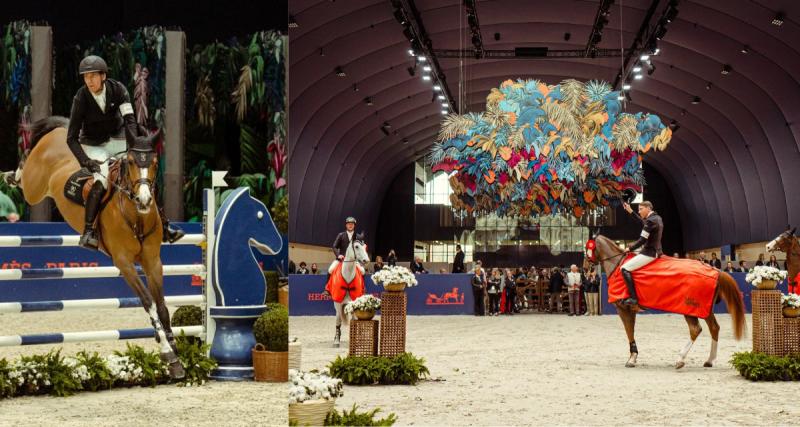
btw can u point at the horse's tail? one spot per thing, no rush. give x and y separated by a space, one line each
42 127
729 291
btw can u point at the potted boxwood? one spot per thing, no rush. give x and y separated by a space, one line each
271 355
363 307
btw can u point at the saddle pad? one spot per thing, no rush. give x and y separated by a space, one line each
337 287
75 185
676 285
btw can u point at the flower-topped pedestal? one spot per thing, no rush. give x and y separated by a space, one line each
394 305
364 331
791 305
764 277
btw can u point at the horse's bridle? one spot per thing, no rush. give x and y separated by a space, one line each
140 157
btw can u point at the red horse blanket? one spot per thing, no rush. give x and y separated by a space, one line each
337 287
676 285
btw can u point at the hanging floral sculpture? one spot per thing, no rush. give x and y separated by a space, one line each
544 149
15 77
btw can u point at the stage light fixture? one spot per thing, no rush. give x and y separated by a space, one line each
778 19
644 57
626 86
441 96
637 76
637 69
426 68
426 77
293 22
340 72
437 88
368 101
696 100
726 69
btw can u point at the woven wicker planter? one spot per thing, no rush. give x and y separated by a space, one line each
310 412
395 287
791 312
270 366
767 284
364 314
295 355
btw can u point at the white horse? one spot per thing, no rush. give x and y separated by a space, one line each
356 258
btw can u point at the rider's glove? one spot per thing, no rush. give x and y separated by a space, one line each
341 257
93 166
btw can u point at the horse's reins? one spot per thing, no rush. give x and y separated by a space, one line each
123 179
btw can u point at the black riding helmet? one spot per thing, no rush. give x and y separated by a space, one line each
92 64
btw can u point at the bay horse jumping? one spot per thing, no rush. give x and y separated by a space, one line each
610 257
129 223
787 242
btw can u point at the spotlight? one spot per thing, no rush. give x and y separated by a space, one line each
644 57
340 72
355 88
411 52
405 140
695 100
426 77
441 97
716 163
637 69
293 22
426 68
637 76
387 125
651 69
626 86
672 13
444 112
422 58
437 88
368 101
400 16
726 69
708 86
778 19
745 49
445 105
620 98
657 51
660 33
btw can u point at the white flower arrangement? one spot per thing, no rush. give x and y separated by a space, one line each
305 386
791 300
763 272
365 302
396 274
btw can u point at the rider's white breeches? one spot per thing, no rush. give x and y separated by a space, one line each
103 153
637 262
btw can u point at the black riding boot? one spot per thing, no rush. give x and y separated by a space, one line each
169 234
632 299
89 238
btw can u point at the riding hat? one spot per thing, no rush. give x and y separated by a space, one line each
350 219
92 64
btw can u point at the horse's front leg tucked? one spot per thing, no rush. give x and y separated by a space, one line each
155 284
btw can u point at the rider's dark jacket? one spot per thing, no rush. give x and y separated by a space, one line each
650 238
89 125
341 243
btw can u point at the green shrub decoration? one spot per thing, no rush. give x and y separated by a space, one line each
402 369
56 375
355 418
761 367
280 215
272 328
272 286
195 362
188 315
99 376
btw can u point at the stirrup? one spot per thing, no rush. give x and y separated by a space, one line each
88 240
630 301
172 235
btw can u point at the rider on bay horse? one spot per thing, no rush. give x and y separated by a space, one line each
101 112
649 240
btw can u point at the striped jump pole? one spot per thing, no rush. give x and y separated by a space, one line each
72 241
112 335
82 304
92 272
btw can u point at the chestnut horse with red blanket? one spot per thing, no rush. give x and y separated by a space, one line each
686 287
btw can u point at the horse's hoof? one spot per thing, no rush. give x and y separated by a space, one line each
630 365
336 345
176 371
708 365
679 365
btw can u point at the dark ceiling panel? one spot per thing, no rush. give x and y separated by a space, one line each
731 164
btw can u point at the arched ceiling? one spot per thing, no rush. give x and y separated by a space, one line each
732 165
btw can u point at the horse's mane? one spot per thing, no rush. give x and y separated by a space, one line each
42 127
611 243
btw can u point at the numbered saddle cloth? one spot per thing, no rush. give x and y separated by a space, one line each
77 187
676 285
